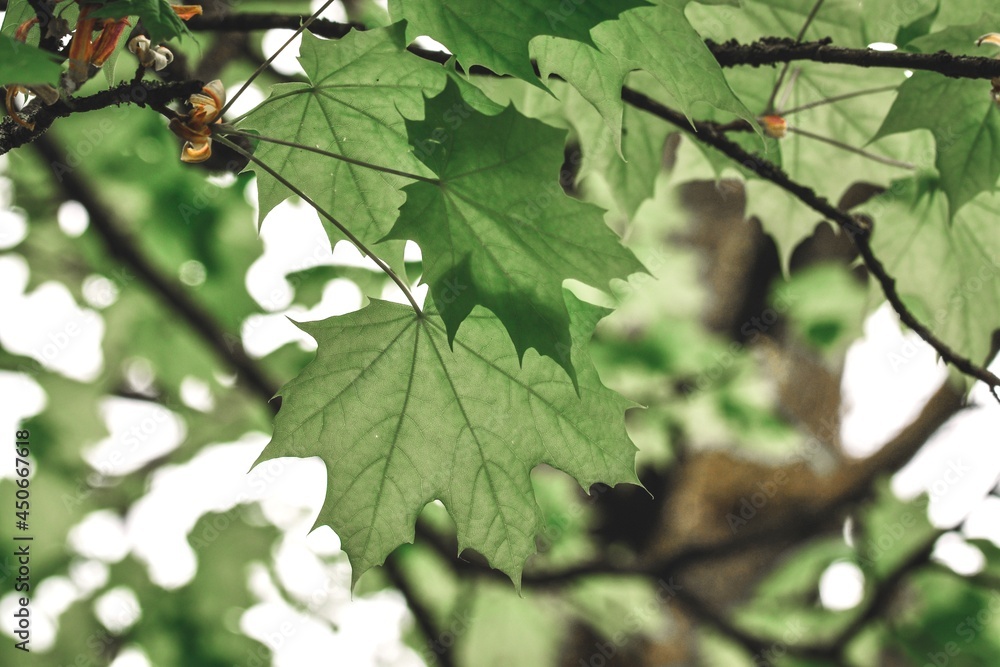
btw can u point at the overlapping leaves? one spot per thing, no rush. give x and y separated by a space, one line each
959 113
406 408
402 410
401 417
658 40
496 34
360 88
496 230
947 270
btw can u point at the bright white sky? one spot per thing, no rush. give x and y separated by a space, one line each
880 395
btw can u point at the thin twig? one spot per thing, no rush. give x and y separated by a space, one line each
267 63
837 98
336 223
858 228
788 91
769 107
118 245
852 149
227 129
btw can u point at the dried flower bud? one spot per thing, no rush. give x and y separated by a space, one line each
989 38
156 57
206 107
775 127
186 12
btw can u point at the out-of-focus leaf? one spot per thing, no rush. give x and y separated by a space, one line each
24 64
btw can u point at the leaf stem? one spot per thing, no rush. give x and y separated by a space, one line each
228 129
267 63
851 149
336 223
784 70
788 91
838 98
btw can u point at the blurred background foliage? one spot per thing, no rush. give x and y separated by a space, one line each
724 409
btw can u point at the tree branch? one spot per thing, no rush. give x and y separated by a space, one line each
119 245
44 11
854 482
425 620
259 21
146 93
858 228
776 50
765 51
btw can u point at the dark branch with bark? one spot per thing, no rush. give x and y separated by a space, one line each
858 228
770 51
145 93
766 51
775 50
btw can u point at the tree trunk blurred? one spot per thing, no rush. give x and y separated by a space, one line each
712 498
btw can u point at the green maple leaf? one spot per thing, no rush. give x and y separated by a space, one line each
946 270
400 420
631 181
604 178
959 114
853 121
965 123
496 34
497 230
159 20
359 89
658 40
597 76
